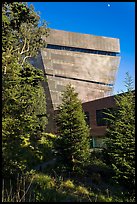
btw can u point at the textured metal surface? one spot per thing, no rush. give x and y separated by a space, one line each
94 67
60 37
87 91
62 67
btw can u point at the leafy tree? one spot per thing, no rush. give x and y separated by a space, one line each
23 97
73 142
120 142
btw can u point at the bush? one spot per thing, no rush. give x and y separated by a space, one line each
68 184
43 188
102 198
82 190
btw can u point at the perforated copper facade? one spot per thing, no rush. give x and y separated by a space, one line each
92 74
89 73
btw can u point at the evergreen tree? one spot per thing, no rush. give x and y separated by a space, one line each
23 98
120 142
73 143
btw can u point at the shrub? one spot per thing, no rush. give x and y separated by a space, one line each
68 184
82 190
44 188
102 198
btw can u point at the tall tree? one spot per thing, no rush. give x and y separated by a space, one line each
23 98
120 142
73 143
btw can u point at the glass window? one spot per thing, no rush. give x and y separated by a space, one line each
75 49
98 142
101 116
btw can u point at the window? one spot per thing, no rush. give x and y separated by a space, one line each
96 82
75 49
97 142
101 116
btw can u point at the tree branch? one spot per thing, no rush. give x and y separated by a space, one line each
15 50
22 52
5 68
23 46
25 59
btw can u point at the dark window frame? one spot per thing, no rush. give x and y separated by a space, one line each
101 114
84 50
77 79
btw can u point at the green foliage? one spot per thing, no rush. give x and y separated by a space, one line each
23 98
39 187
82 190
120 149
50 189
68 184
20 29
102 198
46 146
45 189
73 141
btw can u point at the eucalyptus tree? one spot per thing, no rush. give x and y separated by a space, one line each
23 97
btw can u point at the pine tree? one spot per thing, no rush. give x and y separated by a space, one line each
23 97
120 142
73 143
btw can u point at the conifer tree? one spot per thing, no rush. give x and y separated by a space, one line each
120 142
73 143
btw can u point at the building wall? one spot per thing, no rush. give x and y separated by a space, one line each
91 107
60 37
92 74
97 132
89 73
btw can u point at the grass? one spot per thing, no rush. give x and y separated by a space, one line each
48 188
56 184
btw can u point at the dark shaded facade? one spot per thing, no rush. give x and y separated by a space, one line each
94 110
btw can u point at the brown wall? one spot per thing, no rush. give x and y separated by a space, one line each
91 107
88 41
85 71
62 66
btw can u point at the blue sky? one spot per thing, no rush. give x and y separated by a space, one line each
110 19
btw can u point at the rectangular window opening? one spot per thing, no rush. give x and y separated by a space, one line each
101 116
84 50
